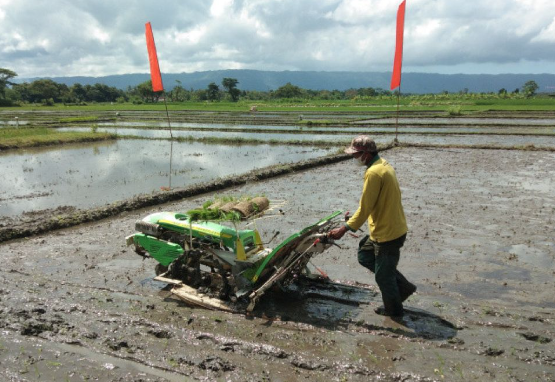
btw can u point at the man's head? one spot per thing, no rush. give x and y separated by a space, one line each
362 148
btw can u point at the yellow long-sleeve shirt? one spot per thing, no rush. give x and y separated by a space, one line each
380 203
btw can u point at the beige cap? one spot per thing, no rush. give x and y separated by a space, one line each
362 143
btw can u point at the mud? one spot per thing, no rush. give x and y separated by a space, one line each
76 304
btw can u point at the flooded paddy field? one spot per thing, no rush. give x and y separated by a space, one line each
100 173
462 121
78 304
41 116
342 137
93 174
452 128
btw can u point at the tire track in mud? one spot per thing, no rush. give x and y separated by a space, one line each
186 345
113 336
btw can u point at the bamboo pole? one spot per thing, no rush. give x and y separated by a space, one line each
171 140
397 117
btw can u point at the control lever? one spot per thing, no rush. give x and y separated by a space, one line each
325 239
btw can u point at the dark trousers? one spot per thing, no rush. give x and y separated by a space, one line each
382 259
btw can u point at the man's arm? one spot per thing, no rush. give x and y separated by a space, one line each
337 233
368 199
370 193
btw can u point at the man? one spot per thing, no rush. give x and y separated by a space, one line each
380 204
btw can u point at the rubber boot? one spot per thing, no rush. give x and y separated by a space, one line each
388 309
406 288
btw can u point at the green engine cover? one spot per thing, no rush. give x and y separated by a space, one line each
164 252
214 232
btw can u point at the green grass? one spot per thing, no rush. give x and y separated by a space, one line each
427 102
254 141
319 122
79 119
11 138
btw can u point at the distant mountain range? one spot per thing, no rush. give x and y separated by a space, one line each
267 80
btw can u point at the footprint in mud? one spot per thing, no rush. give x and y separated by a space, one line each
427 325
320 304
336 305
535 337
216 364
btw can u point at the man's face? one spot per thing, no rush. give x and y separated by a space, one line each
361 156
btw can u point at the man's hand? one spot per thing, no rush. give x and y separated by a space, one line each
337 233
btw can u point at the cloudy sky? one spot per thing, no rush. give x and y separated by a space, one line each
102 37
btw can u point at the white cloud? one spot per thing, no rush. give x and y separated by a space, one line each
3 5
356 11
426 29
220 7
260 28
81 37
98 34
192 36
547 34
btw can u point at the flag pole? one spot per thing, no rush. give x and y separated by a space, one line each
171 139
397 118
398 61
168 116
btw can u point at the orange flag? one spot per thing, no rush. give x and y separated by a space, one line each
155 75
398 62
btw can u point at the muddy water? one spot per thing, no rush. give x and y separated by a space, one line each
90 175
465 120
13 123
341 137
540 126
404 128
77 304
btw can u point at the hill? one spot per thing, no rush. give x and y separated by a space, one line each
268 80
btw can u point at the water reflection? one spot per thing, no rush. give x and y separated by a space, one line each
539 126
94 174
465 120
342 139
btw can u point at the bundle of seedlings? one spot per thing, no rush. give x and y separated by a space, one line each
229 208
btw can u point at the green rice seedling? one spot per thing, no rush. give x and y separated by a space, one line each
455 110
79 119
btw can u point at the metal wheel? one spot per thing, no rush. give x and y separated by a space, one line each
159 269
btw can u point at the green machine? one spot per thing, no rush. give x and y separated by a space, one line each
219 263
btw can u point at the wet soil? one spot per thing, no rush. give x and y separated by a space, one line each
77 304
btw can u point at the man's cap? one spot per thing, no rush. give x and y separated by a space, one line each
362 143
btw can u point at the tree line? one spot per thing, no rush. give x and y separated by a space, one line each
48 92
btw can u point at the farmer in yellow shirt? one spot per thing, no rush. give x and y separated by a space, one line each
380 205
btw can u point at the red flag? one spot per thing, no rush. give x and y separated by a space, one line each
155 75
398 62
